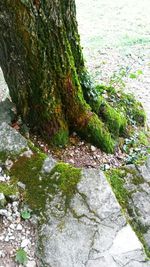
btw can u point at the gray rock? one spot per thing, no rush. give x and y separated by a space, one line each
144 170
6 111
147 238
48 164
139 198
11 140
2 200
141 201
92 232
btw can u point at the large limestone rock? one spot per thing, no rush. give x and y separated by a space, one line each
7 111
11 140
90 231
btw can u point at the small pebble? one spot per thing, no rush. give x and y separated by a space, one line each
93 148
7 238
25 243
31 264
2 178
71 161
21 185
3 212
19 227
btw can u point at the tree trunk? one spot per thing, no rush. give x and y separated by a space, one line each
43 65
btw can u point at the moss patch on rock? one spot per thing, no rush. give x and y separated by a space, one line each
125 181
68 178
116 180
42 186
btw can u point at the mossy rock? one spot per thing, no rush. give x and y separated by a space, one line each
42 186
117 179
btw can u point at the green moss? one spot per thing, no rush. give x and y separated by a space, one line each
133 108
97 103
27 171
40 186
116 179
140 230
7 189
141 159
98 134
3 156
136 178
115 120
60 138
68 178
143 139
139 114
124 104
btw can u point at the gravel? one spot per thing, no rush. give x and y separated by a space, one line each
15 233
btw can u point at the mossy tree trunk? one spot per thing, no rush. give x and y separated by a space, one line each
42 62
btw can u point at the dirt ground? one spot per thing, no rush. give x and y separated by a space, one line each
116 38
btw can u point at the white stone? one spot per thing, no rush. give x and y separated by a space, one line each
1 238
12 238
2 178
25 243
21 185
31 264
7 238
27 153
12 226
71 161
7 178
19 227
93 148
125 241
2 197
3 212
8 164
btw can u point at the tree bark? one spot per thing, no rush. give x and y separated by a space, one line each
43 65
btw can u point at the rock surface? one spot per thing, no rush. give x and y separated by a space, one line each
11 140
6 111
92 232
